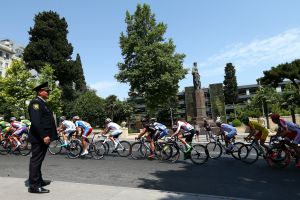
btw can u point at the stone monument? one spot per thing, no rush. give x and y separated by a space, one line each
198 96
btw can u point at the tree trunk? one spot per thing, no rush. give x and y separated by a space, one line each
293 115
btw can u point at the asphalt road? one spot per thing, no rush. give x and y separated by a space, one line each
223 177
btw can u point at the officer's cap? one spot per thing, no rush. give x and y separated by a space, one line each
43 86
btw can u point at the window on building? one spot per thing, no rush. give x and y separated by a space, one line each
247 92
1 53
7 55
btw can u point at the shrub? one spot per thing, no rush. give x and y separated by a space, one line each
236 123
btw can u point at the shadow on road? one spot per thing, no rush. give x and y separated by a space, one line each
230 178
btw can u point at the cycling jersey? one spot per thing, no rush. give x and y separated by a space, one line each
263 132
86 127
229 130
162 130
115 129
290 126
186 127
4 127
69 127
20 128
26 122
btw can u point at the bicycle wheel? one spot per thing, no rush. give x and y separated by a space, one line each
75 149
55 147
251 156
214 150
97 150
124 149
138 150
175 154
199 154
107 148
235 149
25 148
278 158
164 151
5 146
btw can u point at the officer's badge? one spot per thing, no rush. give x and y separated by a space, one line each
36 106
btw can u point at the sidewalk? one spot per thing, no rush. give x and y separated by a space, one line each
14 188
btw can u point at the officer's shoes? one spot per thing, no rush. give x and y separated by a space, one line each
38 190
45 183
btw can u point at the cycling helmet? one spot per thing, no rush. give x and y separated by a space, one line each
218 122
274 116
22 117
152 120
144 120
1 118
76 117
107 120
62 118
12 119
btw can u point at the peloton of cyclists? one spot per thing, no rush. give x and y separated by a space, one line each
18 129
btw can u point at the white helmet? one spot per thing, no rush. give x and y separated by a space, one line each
76 117
1 118
22 117
107 120
12 119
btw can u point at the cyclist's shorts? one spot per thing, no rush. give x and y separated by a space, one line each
293 135
87 132
230 134
69 132
261 135
189 135
116 133
152 134
21 130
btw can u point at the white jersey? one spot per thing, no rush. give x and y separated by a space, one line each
186 127
113 126
69 125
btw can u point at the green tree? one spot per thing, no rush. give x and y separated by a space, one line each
277 74
230 86
80 84
151 66
16 88
90 108
48 44
290 99
47 74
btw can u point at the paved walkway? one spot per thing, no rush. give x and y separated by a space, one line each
14 188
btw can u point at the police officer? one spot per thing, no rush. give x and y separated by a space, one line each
42 132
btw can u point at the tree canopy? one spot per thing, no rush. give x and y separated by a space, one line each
230 85
151 66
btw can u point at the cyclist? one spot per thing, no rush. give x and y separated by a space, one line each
228 132
68 128
114 131
150 130
184 130
5 127
257 130
25 121
18 129
85 129
290 131
161 129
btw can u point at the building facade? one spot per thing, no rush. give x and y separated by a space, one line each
9 51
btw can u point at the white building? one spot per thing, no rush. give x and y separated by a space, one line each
8 51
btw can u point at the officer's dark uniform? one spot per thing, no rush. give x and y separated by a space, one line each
42 125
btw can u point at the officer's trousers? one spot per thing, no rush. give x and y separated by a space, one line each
38 153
